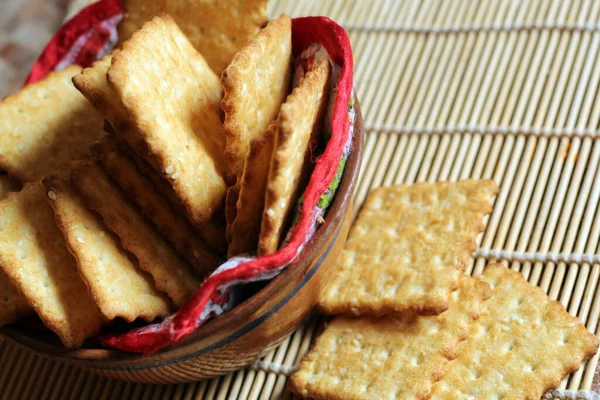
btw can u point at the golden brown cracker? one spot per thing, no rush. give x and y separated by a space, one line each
388 358
297 129
216 28
253 182
408 248
256 83
13 306
36 260
171 275
45 125
172 99
117 285
7 186
523 344
156 208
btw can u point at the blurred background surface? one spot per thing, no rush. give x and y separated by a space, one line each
25 28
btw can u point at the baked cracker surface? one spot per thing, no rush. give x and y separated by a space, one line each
173 99
388 358
36 260
13 306
171 274
255 85
253 93
217 28
408 248
155 208
253 183
117 285
296 133
45 125
522 345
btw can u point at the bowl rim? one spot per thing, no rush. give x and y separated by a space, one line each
326 236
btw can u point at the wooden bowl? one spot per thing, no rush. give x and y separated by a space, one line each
238 337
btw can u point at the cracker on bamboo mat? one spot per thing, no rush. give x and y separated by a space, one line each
13 306
174 118
388 358
408 248
296 131
44 125
251 201
522 345
154 207
117 285
171 274
36 260
217 28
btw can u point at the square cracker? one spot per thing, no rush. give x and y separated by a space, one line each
36 260
13 306
388 358
255 89
251 200
216 28
44 125
171 274
522 345
408 248
154 207
172 100
297 130
117 285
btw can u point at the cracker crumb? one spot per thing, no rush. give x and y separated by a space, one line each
169 170
52 195
270 212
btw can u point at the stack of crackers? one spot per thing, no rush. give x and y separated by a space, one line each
409 324
142 173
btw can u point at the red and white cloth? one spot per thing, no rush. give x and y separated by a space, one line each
92 34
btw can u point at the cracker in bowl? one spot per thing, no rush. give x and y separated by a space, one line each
115 281
171 274
36 260
45 125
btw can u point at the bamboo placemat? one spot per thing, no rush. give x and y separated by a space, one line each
449 90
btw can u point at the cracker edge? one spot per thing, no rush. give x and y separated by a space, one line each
438 305
231 78
272 231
